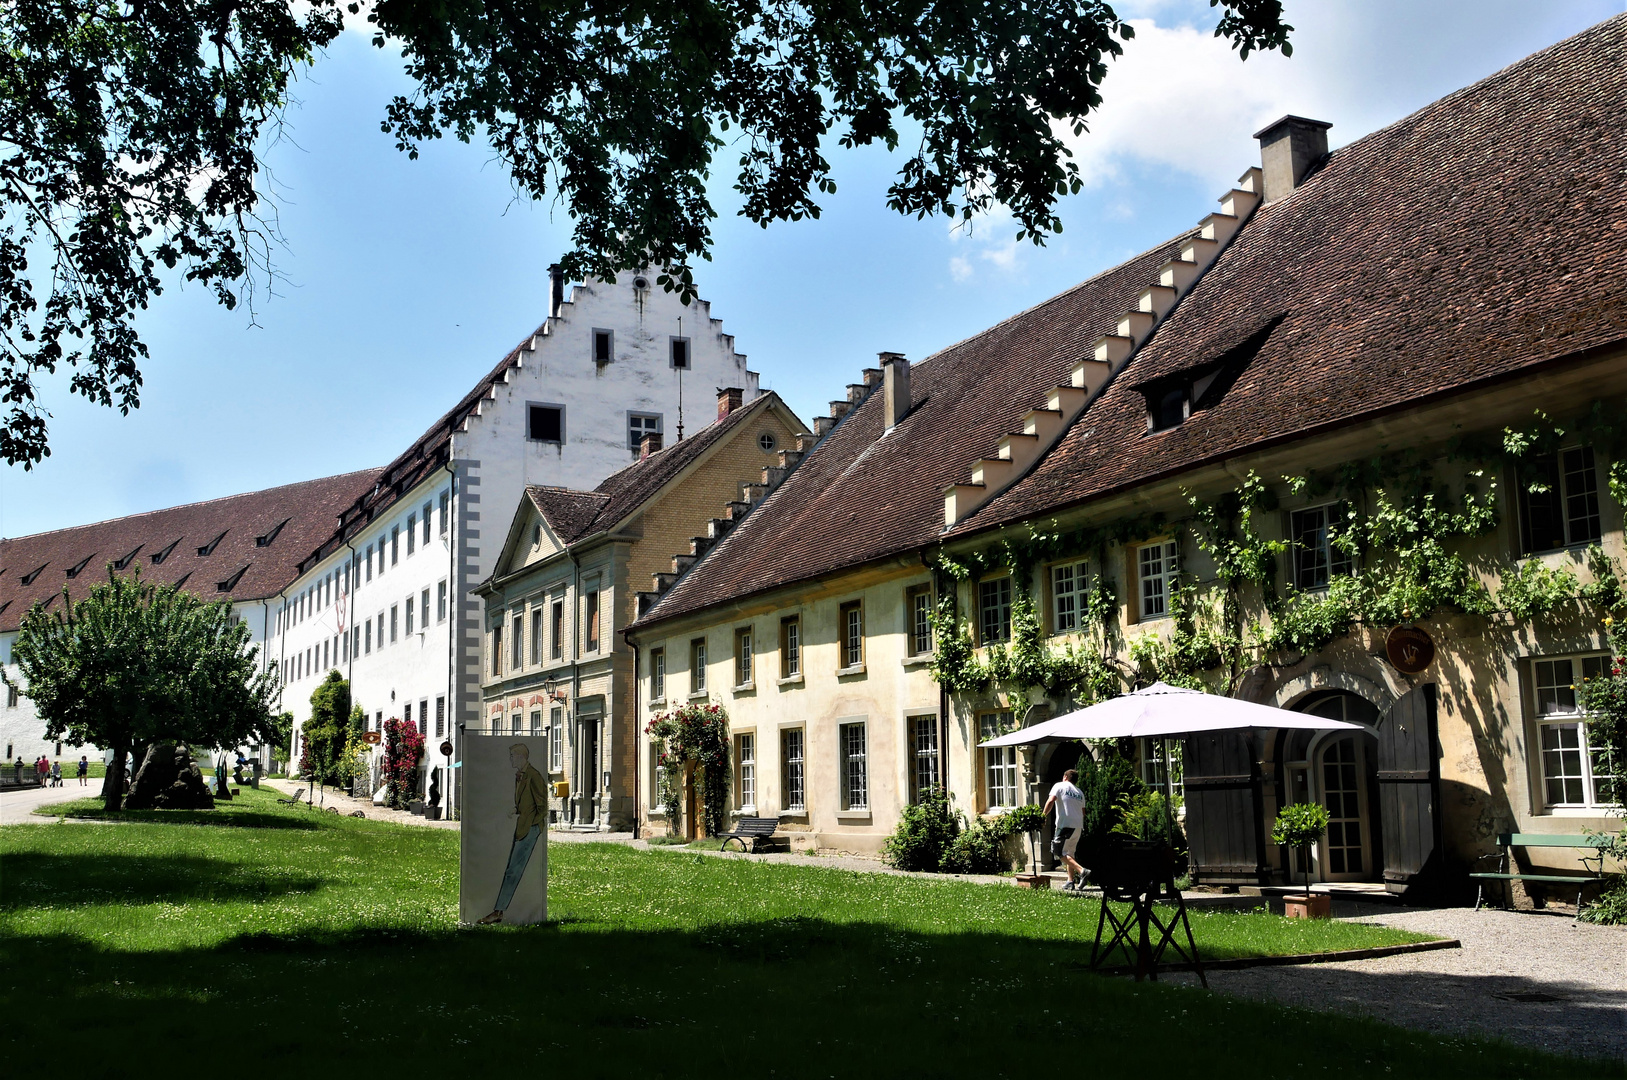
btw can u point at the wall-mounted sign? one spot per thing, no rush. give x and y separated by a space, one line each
372 738
1409 649
446 748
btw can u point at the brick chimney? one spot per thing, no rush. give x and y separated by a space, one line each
729 398
556 293
1288 149
648 444
896 386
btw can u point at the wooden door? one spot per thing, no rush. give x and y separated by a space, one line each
1223 810
1409 779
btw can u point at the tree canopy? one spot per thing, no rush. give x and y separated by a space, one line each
134 663
131 133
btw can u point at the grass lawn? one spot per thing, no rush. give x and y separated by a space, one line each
313 939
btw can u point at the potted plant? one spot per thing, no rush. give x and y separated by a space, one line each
1300 826
1029 819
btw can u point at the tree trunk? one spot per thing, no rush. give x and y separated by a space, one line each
113 784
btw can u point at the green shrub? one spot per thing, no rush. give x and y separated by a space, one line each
1105 781
1610 909
977 849
925 831
1150 816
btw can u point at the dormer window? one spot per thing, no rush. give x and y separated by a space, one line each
124 563
264 539
1169 408
231 583
209 548
28 578
1173 398
160 556
73 571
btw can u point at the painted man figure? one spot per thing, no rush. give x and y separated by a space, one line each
530 817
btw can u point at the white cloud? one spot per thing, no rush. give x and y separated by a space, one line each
989 239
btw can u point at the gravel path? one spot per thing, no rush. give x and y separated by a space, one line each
1541 980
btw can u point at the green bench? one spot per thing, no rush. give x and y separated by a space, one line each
1509 841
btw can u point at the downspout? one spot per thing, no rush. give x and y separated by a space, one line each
576 648
451 627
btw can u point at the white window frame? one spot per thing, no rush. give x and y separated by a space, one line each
853 746
918 612
745 771
1002 784
1324 558
744 668
658 674
1069 589
994 600
790 646
556 739
1567 493
926 755
1562 731
794 769
1155 753
635 439
851 617
1154 586
697 666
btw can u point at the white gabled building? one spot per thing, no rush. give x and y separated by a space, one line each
386 599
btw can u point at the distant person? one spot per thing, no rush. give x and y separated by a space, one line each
84 769
1069 802
43 769
56 773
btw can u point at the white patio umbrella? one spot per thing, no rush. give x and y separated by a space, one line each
1161 710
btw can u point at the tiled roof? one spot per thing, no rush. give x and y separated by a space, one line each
253 543
1479 237
575 514
858 496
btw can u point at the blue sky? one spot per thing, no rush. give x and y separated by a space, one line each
401 282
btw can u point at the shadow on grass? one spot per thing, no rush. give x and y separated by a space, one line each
225 815
34 879
824 999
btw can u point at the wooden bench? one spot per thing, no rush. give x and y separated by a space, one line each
751 831
1509 841
295 800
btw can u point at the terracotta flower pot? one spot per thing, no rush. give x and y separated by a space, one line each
1314 906
1034 881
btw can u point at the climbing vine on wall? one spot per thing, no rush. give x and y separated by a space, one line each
698 735
1400 531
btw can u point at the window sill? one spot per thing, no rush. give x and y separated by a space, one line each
795 815
790 680
853 816
744 688
654 701
699 695
920 660
856 669
746 811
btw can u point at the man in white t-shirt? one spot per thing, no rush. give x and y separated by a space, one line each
1070 820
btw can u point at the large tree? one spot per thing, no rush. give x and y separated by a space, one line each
133 664
131 132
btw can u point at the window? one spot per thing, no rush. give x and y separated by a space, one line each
927 771
423 610
536 721
355 641
1575 772
497 649
440 717
369 639
918 610
395 544
1564 508
658 674
640 425
381 629
547 423
1156 565
745 771
994 609
697 666
790 647
536 636
603 346
412 533
446 502
514 724
1161 764
593 619
999 763
516 643
680 352
742 656
556 739
1168 409
792 774
369 562
558 628
11 703
393 614
851 622
426 527
409 615
440 602
1317 559
1068 597
855 772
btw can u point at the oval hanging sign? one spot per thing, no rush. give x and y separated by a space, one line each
446 748
372 738
1409 649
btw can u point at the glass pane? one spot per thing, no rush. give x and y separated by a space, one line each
1543 513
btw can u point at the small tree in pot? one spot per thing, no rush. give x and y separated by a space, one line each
1300 826
1028 819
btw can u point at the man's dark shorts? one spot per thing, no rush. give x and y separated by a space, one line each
1064 842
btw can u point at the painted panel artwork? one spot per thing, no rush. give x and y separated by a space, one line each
503 848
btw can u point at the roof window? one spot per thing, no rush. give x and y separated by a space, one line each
28 578
1173 398
124 563
231 583
209 548
73 571
160 556
264 539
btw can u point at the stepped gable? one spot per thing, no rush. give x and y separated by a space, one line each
574 515
252 545
857 496
1473 241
